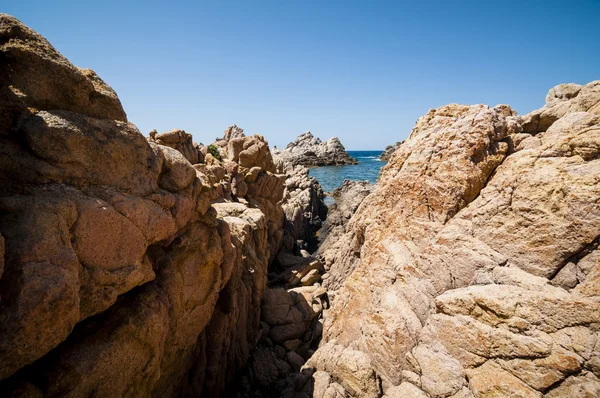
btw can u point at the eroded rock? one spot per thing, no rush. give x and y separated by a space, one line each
124 270
308 151
452 259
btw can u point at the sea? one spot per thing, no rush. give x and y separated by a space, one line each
331 177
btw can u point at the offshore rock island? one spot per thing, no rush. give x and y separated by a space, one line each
137 267
309 151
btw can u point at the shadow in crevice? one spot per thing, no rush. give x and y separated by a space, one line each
290 333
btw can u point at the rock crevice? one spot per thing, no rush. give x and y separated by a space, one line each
133 266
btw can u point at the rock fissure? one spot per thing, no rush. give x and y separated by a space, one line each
154 266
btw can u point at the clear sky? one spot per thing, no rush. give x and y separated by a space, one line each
360 70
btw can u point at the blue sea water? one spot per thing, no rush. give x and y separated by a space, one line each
332 177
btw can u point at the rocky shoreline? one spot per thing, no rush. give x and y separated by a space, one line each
154 266
310 151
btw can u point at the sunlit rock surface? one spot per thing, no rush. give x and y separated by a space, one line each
308 151
472 269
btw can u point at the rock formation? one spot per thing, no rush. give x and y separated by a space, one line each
126 270
181 141
473 267
311 151
304 207
232 132
292 325
332 236
155 267
389 150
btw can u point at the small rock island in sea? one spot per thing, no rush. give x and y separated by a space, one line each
310 151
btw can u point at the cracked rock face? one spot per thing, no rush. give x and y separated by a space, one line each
309 151
124 269
134 267
304 207
473 266
334 240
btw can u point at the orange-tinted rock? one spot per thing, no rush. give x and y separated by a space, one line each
451 261
124 270
36 75
179 140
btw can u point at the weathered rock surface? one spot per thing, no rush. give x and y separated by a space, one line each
232 132
389 150
472 268
35 75
561 100
333 237
181 141
303 206
292 326
124 269
311 151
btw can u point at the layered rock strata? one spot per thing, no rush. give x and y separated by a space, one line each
309 151
473 266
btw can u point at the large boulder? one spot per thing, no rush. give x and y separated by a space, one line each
473 265
561 100
250 152
35 75
179 140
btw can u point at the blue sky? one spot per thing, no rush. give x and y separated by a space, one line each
360 70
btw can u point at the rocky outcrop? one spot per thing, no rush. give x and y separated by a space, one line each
472 269
332 236
389 150
35 75
130 268
304 208
560 101
232 132
181 141
311 151
124 269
